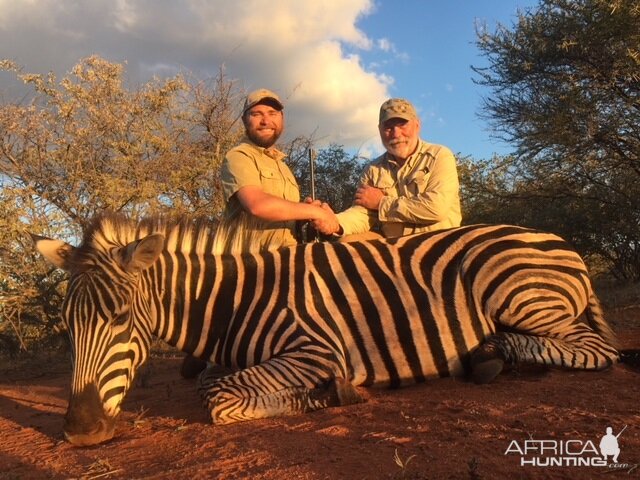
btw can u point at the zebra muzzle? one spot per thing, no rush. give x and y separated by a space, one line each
86 423
104 431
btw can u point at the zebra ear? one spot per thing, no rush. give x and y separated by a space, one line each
140 254
56 252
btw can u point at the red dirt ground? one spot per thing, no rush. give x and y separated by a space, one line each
445 429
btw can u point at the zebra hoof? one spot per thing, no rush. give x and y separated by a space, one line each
192 366
346 392
486 363
336 392
631 357
486 371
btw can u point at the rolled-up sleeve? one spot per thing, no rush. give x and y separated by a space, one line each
356 219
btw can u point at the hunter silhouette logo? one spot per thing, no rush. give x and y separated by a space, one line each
572 452
609 445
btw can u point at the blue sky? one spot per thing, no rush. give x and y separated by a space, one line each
333 61
438 38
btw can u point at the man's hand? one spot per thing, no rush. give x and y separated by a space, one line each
311 201
327 222
368 197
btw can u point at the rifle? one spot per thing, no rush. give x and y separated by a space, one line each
312 172
311 234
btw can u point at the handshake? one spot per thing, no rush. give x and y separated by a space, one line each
325 220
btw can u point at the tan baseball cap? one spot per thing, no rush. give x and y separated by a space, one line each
397 108
258 96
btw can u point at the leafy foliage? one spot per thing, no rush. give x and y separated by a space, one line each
565 85
86 144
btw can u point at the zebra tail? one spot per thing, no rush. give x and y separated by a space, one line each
631 357
595 318
597 321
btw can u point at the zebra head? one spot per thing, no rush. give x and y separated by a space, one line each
104 311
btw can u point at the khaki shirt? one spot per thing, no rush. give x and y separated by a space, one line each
422 195
245 165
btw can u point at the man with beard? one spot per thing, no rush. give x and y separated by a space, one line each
411 188
263 198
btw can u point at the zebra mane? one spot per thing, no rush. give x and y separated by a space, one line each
182 234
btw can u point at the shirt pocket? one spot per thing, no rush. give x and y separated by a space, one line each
271 180
418 181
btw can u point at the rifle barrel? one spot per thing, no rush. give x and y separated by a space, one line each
312 174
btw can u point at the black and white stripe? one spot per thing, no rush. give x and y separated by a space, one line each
303 325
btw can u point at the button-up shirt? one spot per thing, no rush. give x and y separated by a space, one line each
244 165
421 195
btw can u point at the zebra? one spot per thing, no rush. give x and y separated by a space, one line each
303 326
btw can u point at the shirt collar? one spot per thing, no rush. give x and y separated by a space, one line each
271 152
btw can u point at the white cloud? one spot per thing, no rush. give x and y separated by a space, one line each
403 57
387 46
125 13
291 46
384 44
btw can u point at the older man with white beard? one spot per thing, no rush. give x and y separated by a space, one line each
413 187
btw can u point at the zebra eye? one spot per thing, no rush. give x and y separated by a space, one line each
121 318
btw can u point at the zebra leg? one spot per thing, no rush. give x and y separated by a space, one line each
263 391
578 347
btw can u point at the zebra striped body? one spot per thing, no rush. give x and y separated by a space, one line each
305 324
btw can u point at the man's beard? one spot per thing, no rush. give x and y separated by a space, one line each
402 149
264 142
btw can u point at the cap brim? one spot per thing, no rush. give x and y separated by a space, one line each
274 102
390 115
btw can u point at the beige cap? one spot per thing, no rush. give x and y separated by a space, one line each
397 108
258 96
